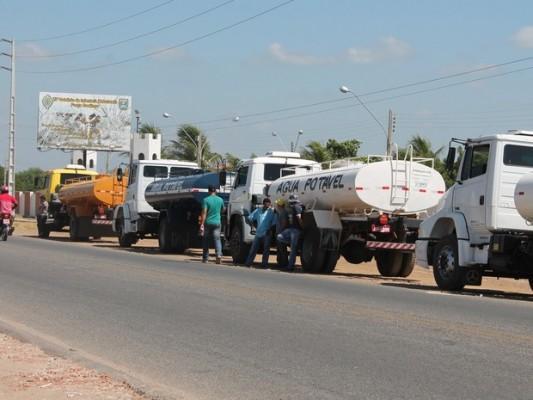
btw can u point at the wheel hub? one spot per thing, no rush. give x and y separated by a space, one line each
446 264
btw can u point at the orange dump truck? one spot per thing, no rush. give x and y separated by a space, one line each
90 204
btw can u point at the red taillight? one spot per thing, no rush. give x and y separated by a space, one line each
383 219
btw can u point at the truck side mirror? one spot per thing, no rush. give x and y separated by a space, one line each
222 178
450 159
120 174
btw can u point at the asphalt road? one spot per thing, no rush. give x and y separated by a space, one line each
195 331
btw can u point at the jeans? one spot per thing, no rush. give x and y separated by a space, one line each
290 236
255 247
211 231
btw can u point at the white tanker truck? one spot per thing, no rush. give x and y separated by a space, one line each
485 223
357 209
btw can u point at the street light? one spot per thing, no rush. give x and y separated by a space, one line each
294 146
198 145
275 134
345 90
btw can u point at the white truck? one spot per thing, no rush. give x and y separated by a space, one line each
484 223
357 209
136 219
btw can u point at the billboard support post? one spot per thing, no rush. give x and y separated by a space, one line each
10 177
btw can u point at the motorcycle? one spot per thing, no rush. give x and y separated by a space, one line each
5 227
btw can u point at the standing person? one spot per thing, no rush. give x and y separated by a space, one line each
282 222
291 234
210 223
265 219
42 212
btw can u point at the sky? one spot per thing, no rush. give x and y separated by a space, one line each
226 59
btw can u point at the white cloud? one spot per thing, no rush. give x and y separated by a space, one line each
524 37
171 54
280 54
388 48
32 50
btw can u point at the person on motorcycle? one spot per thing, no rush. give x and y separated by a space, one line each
7 204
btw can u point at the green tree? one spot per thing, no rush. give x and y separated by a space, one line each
185 146
25 180
149 129
231 161
332 150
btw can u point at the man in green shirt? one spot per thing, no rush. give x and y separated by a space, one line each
210 223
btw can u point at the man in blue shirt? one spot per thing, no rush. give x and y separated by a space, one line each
265 219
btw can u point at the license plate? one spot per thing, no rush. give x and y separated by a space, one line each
6 221
380 228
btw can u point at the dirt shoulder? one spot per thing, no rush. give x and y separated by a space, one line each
27 373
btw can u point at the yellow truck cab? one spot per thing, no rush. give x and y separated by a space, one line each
57 217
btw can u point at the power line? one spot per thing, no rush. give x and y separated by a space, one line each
94 28
130 39
198 38
464 82
393 88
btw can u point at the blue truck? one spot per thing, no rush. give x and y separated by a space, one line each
179 202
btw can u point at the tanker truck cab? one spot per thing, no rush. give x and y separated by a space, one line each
251 183
136 218
477 230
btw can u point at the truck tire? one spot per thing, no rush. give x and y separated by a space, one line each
446 271
531 283
73 228
389 263
124 239
239 249
165 236
330 261
312 256
408 264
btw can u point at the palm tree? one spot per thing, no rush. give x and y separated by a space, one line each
422 147
316 151
185 146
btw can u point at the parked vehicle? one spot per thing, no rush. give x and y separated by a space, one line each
89 204
356 208
179 202
135 218
57 217
484 224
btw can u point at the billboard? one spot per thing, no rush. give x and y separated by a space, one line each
74 121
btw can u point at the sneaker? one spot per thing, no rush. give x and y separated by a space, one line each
218 260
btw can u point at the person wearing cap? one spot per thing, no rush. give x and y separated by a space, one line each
291 234
265 219
210 222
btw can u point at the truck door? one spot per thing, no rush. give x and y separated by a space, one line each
470 194
239 195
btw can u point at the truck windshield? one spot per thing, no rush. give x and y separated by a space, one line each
275 171
155 171
519 156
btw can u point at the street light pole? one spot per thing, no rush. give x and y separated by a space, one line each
294 145
344 89
11 150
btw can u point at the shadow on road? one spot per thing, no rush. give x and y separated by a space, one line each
373 277
66 239
496 294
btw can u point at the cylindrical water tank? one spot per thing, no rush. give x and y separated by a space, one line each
523 197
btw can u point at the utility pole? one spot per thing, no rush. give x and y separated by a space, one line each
11 149
199 150
390 131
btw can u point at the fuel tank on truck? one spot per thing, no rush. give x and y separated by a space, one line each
391 186
523 197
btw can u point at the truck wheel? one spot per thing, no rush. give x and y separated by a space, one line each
73 228
124 240
389 263
446 271
408 264
165 236
312 256
330 261
239 249
531 283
